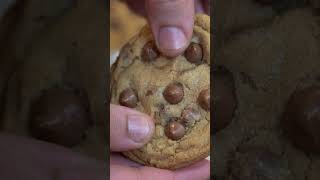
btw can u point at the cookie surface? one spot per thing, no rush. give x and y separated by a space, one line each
268 67
174 92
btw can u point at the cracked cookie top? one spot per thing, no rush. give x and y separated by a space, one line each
175 92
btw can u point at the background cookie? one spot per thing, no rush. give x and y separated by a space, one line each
123 24
175 92
45 48
269 65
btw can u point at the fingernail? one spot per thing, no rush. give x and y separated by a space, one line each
171 38
138 128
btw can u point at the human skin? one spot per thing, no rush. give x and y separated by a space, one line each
30 159
172 23
129 130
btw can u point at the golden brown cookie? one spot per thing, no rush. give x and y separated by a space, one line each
174 92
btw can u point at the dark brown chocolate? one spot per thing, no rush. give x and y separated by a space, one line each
204 99
194 53
301 119
149 52
257 164
174 93
224 98
128 98
174 130
190 115
60 116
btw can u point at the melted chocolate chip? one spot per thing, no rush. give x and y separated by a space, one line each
149 93
149 52
173 119
162 108
204 99
301 119
174 130
174 93
194 53
258 164
128 98
224 98
60 116
190 115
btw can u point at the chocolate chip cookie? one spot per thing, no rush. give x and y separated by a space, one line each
257 163
56 111
301 118
175 92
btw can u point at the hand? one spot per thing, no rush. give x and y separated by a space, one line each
171 21
29 159
129 130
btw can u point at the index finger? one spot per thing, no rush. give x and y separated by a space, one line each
198 171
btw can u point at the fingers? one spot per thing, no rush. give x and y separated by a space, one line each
199 6
144 173
198 171
171 23
117 159
40 160
129 129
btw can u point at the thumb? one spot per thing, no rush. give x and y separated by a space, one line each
129 129
171 22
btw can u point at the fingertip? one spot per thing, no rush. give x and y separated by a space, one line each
172 24
140 127
171 40
129 129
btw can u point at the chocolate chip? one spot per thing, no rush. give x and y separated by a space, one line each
224 98
161 108
223 73
190 115
60 116
194 53
174 130
173 119
258 164
128 98
149 93
204 99
174 93
301 119
149 52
